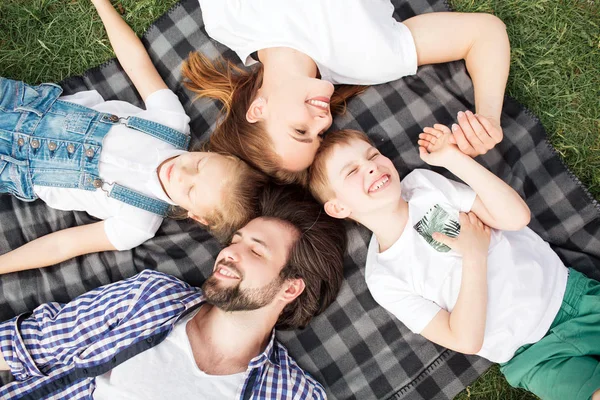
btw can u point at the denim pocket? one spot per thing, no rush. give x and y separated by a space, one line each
14 179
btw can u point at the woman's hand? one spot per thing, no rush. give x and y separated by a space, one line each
473 239
475 134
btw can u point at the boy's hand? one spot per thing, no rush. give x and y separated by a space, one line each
435 147
473 239
475 134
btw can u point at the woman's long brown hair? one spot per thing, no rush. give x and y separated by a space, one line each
236 88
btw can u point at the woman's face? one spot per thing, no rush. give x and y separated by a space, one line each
295 114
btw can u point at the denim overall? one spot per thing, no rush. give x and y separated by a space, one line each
49 142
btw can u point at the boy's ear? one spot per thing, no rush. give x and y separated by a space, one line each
256 111
193 216
335 209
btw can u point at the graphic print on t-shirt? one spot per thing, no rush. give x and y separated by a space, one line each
437 220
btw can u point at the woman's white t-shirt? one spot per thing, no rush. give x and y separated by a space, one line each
130 158
167 371
352 42
416 276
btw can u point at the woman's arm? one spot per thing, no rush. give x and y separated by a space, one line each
130 51
57 247
479 39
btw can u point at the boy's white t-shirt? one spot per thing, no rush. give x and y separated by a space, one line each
130 158
352 42
167 371
417 276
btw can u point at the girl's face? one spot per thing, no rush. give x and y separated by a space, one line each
195 181
295 115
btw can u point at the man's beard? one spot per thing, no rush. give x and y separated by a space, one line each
233 298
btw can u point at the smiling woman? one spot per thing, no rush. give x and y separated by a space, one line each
275 111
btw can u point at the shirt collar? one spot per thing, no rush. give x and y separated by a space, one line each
268 354
154 184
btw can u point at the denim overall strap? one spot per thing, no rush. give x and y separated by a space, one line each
136 199
175 138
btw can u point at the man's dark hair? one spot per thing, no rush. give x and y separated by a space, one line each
316 256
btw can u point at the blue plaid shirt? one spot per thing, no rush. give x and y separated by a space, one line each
56 351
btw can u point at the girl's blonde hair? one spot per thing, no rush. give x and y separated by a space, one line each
239 201
236 88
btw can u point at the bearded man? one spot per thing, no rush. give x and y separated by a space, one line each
154 336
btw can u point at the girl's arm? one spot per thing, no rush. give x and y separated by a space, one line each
130 51
479 39
496 204
57 247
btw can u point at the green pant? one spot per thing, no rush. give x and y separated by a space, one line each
564 364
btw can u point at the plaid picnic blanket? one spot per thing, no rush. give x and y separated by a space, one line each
356 348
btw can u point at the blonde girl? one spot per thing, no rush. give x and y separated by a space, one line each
126 166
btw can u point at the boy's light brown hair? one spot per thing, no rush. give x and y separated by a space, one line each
317 173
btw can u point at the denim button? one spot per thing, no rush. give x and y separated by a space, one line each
21 141
89 152
35 143
97 183
113 118
52 146
150 340
70 148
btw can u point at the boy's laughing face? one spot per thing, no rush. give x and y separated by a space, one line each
363 181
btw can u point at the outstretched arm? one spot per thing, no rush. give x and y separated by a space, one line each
479 39
57 247
130 51
496 204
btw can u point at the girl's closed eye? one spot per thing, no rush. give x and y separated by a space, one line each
257 254
374 156
352 171
301 131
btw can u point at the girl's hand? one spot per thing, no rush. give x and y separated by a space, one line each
476 134
473 239
435 146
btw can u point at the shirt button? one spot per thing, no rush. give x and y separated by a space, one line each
89 152
70 148
97 183
113 118
35 143
21 142
52 146
149 340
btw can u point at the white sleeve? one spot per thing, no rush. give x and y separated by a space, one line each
411 309
164 107
125 236
458 194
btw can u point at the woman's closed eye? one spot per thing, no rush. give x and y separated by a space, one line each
301 131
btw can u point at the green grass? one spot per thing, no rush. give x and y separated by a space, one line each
555 72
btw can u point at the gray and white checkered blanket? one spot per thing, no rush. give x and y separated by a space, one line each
356 349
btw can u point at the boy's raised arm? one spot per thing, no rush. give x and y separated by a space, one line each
130 51
496 204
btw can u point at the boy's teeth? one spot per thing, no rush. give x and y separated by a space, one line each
380 184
